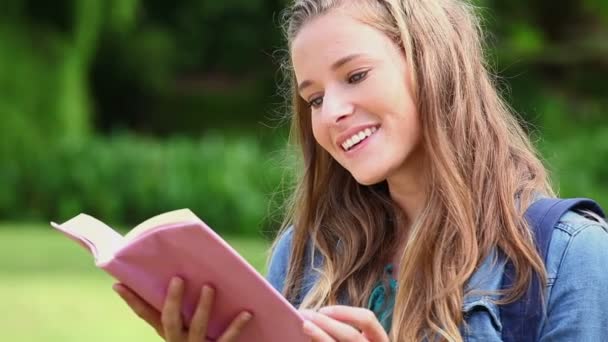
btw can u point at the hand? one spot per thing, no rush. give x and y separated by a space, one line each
168 323
343 323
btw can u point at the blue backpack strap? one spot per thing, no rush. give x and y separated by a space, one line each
521 318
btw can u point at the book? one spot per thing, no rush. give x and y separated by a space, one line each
178 243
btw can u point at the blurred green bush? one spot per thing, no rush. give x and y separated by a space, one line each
77 70
234 183
575 150
579 164
228 182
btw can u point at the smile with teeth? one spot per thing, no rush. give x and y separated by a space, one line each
357 138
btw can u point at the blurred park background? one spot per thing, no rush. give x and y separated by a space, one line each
124 109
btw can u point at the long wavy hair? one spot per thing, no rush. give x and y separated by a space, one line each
484 173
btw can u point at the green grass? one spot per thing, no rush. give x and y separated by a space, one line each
51 291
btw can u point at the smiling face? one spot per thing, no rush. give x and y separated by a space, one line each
357 84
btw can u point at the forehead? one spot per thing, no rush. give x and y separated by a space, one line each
334 35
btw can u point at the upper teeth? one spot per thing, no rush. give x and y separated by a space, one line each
358 137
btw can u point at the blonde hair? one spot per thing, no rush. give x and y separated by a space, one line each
484 174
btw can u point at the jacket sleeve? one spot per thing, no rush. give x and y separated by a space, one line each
279 260
577 307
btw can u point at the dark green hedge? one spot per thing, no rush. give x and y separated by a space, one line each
231 182
228 182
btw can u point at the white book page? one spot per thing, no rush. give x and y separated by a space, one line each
102 241
175 216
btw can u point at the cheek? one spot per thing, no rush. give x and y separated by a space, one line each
320 133
381 94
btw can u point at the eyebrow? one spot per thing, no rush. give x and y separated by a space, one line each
337 64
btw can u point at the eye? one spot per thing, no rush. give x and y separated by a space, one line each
358 77
316 102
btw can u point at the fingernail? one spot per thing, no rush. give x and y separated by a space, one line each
308 328
307 314
176 281
207 289
117 288
326 310
247 315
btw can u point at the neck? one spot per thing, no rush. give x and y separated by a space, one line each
408 186
408 189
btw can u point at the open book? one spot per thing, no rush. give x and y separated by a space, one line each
178 243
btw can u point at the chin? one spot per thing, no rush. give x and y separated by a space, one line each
368 179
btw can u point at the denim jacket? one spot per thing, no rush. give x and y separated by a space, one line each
576 295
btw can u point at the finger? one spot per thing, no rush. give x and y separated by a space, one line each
200 320
334 328
315 332
235 327
140 307
171 317
361 318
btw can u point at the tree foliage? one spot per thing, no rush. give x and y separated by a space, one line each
72 71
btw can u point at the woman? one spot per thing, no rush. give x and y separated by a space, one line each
414 180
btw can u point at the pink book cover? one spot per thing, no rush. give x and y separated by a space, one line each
178 243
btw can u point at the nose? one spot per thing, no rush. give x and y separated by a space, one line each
336 106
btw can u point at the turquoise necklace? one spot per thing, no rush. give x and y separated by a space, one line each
382 302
